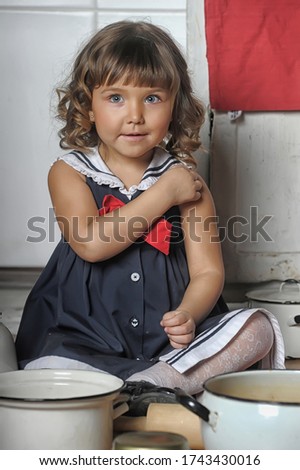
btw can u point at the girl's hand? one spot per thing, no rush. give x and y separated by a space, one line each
180 327
183 185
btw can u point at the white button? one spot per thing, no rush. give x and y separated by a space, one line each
134 322
135 277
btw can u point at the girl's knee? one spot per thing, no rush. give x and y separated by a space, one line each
260 327
260 322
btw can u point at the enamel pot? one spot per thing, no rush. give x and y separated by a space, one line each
249 410
8 356
283 300
58 409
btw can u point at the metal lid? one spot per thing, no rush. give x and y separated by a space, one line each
287 292
150 440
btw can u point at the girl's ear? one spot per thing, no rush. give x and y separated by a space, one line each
92 117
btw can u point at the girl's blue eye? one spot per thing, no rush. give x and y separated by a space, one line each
152 99
115 98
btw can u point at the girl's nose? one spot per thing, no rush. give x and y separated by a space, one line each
135 113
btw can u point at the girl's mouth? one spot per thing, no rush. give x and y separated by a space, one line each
134 137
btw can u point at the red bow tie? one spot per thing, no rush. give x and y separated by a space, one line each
158 236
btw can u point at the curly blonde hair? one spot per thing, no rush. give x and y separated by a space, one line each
139 54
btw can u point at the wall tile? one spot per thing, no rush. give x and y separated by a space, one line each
142 5
42 4
175 24
41 46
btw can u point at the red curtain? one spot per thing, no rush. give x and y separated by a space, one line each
253 53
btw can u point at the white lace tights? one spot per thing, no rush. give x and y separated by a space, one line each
250 345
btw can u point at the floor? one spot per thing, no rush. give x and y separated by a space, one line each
15 285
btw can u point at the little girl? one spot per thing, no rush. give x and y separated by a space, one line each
134 286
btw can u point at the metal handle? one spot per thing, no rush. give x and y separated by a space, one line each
191 404
294 321
289 282
120 410
134 392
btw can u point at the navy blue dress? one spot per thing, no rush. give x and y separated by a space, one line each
107 314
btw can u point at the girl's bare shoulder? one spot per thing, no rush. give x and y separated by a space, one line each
61 171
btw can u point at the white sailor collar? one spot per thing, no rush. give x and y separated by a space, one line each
92 165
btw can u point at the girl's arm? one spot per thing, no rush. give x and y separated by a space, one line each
206 270
96 238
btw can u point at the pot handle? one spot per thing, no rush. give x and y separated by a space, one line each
290 282
120 406
294 321
192 404
120 410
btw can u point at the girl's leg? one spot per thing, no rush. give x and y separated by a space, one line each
251 344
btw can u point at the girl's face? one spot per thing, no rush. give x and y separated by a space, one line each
130 120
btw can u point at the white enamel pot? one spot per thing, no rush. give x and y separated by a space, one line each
283 300
250 410
8 356
58 409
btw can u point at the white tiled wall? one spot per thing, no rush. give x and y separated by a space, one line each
38 39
